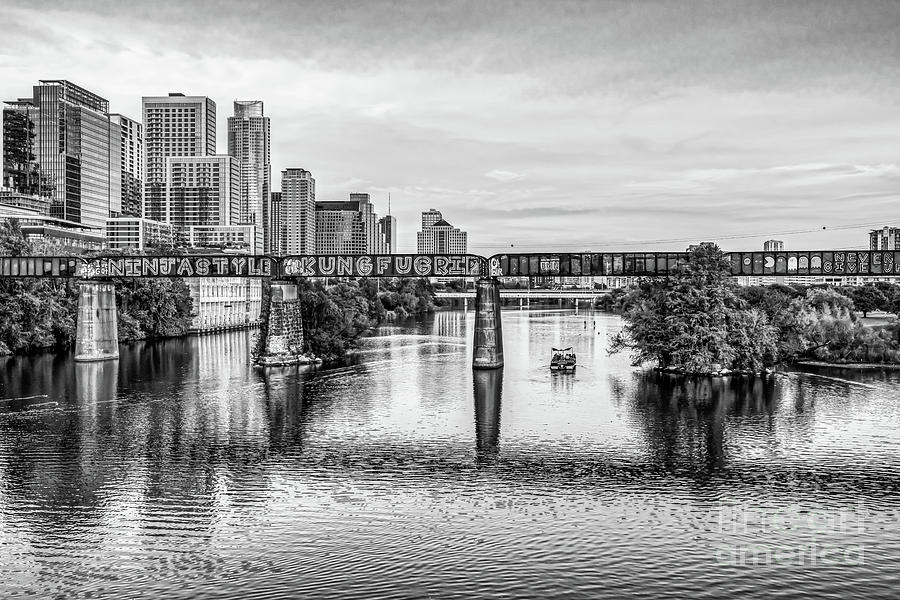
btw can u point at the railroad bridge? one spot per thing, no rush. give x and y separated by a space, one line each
97 337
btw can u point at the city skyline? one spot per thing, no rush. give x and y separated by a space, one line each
627 123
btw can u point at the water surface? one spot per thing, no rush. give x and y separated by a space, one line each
181 472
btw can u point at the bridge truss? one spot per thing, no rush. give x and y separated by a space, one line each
647 264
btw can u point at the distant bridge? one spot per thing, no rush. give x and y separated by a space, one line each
536 294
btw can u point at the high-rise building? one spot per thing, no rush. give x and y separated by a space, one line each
78 149
275 232
369 221
439 237
174 125
21 171
298 212
201 190
430 217
248 141
346 227
773 246
887 238
387 234
132 165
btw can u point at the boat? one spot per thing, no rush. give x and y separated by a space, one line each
563 359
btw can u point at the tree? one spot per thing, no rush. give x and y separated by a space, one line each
36 313
867 298
694 322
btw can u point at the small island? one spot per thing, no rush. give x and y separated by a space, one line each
701 322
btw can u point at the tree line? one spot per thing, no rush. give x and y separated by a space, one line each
700 321
40 314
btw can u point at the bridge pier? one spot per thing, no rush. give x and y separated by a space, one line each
284 332
488 352
96 331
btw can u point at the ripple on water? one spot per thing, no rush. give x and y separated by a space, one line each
181 472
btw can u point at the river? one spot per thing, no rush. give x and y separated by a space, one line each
179 471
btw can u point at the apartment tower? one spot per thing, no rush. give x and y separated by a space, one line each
248 141
298 212
174 125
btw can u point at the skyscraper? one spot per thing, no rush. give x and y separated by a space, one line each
298 212
387 234
439 237
275 230
369 220
248 141
174 125
131 165
21 171
202 190
346 227
430 217
78 150
887 238
773 246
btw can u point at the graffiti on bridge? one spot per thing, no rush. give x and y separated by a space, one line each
800 263
383 265
177 266
368 265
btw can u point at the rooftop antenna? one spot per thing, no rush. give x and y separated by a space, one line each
389 204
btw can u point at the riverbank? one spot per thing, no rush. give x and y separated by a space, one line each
850 366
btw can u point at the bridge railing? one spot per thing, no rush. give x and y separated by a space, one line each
798 263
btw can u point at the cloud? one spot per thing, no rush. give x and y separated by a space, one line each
655 120
503 176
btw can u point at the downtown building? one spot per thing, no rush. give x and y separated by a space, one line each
296 218
249 142
131 165
346 226
199 194
438 236
886 238
61 144
174 126
137 233
352 227
202 190
274 233
386 232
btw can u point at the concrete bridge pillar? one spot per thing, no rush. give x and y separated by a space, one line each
96 332
284 330
488 352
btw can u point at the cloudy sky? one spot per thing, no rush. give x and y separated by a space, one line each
544 124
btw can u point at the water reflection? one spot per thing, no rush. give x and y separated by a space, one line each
96 382
683 418
283 395
488 389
